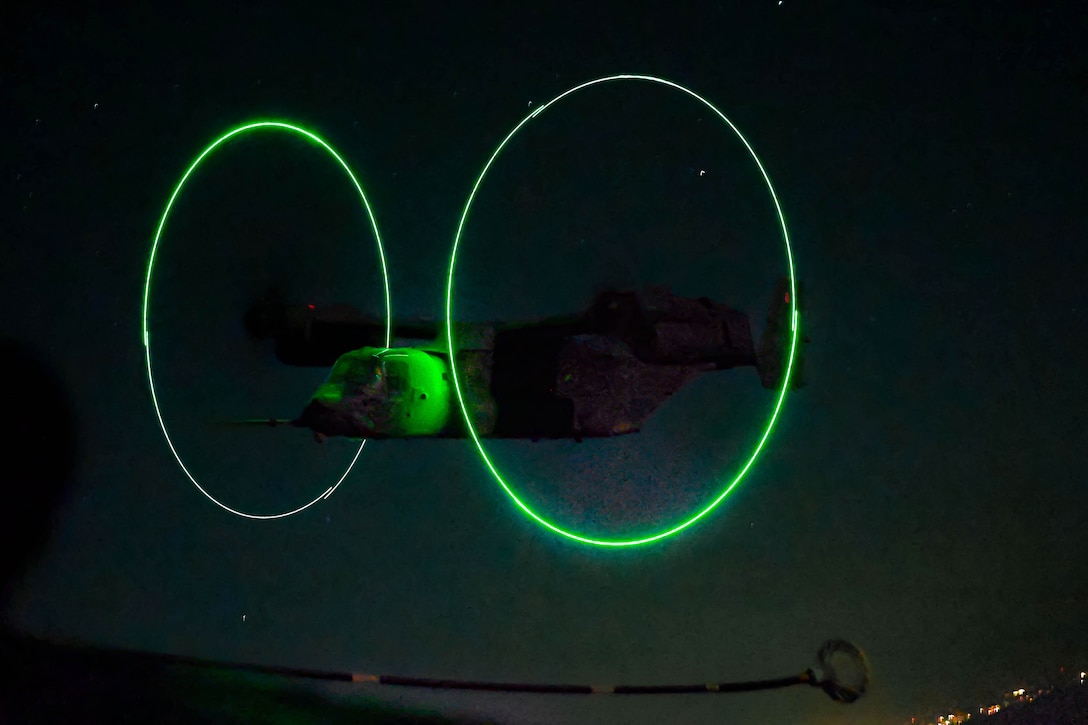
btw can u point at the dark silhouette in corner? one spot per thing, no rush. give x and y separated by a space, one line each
49 681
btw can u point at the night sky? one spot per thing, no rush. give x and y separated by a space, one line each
923 496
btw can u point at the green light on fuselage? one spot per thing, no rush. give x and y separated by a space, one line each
418 386
393 392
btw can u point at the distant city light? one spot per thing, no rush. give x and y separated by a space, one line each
1010 700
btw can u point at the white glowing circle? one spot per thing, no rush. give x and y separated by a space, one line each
147 297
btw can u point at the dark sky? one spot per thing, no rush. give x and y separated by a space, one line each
923 496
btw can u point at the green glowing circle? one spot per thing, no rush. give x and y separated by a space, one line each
235 133
772 419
